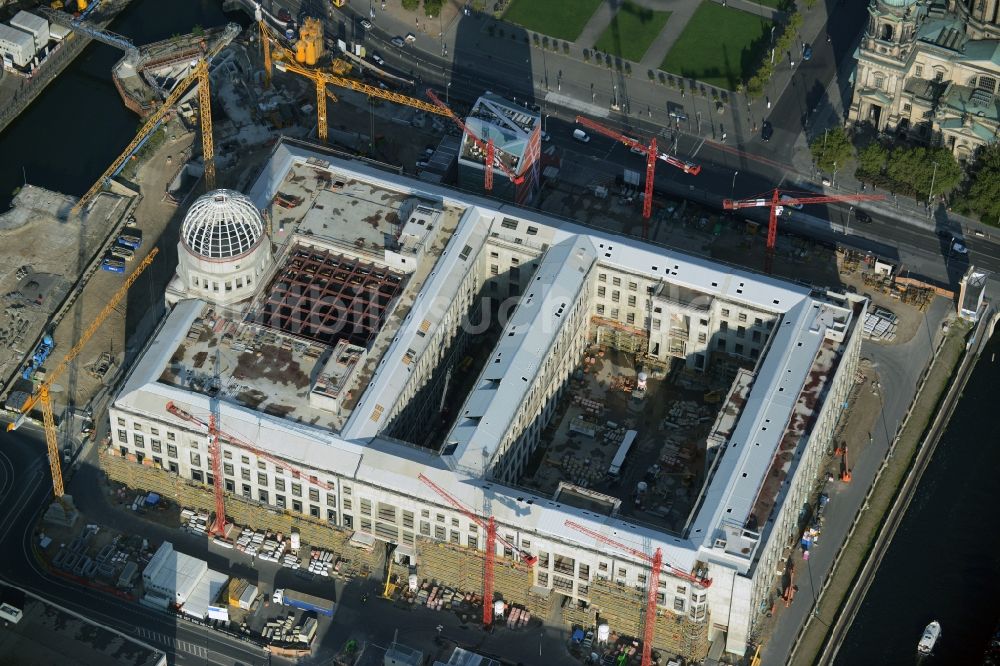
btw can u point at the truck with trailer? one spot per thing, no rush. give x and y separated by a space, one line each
303 601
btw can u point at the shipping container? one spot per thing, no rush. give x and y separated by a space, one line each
35 26
16 45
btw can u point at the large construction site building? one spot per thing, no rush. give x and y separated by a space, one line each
364 328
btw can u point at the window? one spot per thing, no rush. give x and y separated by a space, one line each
331 499
655 325
739 349
440 533
583 571
454 522
455 537
346 490
631 301
756 336
245 474
600 309
170 436
543 579
473 542
702 338
296 489
408 520
245 460
228 455
347 504
227 469
279 501
313 495
907 108
633 286
508 223
742 316
543 560
156 446
741 331
366 507
679 604
425 528
123 436
616 281
614 313
261 465
386 512
616 296
261 479
171 451
532 231
725 312
196 459
601 277
987 83
279 484
723 326
630 318
601 292
918 71
494 255
297 506
262 496
938 75
121 421
140 442
494 269
137 427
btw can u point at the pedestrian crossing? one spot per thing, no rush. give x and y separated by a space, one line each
170 641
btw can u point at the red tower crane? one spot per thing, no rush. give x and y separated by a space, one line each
490 526
216 453
489 150
779 199
652 154
656 565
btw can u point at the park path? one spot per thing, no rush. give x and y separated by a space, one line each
598 23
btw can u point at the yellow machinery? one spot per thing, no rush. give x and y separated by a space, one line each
309 48
42 395
337 66
199 75
81 5
284 62
338 3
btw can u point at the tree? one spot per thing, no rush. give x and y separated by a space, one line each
872 161
832 149
432 8
411 5
920 169
983 196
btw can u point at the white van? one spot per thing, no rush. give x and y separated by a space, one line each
580 136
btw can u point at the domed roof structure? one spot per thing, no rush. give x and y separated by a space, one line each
222 224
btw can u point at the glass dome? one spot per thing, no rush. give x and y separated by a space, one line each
222 224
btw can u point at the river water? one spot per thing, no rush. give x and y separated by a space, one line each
78 125
944 562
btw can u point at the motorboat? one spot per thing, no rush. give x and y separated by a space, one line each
932 632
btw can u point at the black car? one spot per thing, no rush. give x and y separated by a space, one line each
863 217
766 131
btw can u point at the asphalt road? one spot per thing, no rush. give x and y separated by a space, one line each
25 488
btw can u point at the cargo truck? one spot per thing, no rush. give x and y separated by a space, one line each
303 601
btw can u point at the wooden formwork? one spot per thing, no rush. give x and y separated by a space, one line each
239 510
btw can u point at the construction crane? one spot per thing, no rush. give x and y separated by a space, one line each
778 200
92 31
656 565
284 61
216 435
652 154
42 395
200 75
490 527
492 155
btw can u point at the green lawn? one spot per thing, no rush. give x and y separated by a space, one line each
720 46
631 32
562 19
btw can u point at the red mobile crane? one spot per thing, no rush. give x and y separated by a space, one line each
656 564
652 154
776 201
491 548
486 146
215 450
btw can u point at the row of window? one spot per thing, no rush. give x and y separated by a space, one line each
204 283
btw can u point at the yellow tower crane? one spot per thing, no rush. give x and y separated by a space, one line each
200 75
42 395
284 61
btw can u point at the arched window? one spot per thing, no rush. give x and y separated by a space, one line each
987 83
887 33
878 80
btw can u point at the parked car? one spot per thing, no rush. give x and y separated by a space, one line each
766 131
366 24
377 59
398 41
581 136
863 217
807 52
958 247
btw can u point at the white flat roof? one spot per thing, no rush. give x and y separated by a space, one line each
361 453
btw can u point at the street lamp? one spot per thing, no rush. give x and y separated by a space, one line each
847 230
733 188
447 93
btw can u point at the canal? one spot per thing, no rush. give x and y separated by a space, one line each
78 125
944 562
